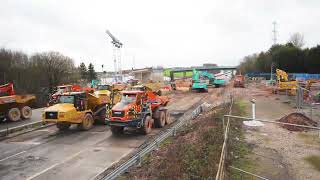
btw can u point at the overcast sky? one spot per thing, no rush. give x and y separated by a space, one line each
167 32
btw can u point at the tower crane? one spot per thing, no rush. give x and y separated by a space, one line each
117 56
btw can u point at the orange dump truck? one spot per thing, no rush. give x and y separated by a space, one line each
141 109
238 81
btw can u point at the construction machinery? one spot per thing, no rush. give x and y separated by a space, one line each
111 94
62 89
199 82
14 107
239 81
81 108
117 45
213 80
312 86
284 84
141 109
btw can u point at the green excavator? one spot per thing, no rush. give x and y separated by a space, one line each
199 83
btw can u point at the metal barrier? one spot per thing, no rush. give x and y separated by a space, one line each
30 126
220 171
305 100
137 158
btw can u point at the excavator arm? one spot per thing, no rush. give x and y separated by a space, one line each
282 76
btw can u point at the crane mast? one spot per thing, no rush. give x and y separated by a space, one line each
117 45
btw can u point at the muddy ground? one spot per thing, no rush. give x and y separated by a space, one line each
278 152
270 151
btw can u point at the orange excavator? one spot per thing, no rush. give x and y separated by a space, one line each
14 107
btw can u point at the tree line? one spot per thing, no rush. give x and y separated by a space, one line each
39 73
290 57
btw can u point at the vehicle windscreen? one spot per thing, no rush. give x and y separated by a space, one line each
128 98
66 99
103 87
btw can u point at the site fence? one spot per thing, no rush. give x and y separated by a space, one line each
244 174
307 102
172 131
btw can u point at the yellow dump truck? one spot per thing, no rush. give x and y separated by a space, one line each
112 95
79 108
16 107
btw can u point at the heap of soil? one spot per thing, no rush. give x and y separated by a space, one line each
297 118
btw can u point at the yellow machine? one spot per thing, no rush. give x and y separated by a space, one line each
79 108
16 107
284 84
112 95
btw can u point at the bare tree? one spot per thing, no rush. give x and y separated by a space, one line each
56 67
297 40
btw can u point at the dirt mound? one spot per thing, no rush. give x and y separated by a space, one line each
297 118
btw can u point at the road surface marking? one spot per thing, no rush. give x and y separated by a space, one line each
12 156
54 165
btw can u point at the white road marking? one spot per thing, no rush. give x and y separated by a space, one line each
54 165
12 156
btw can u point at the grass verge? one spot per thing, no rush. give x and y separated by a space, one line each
238 150
314 160
195 152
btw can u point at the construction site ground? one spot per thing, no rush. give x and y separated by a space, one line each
274 152
277 152
50 154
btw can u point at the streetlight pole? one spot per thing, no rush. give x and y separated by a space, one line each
271 73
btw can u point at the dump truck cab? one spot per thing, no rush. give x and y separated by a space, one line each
126 109
79 108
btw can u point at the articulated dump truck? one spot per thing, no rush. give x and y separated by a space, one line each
15 107
81 108
140 108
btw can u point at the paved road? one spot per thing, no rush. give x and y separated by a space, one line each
50 154
36 116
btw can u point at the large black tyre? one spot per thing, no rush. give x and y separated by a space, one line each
161 120
101 119
14 114
116 130
62 126
87 122
168 117
147 125
26 112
